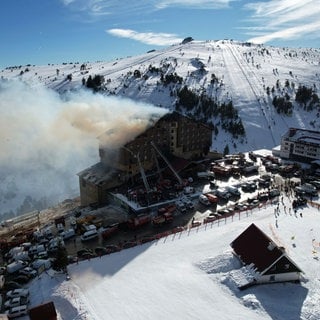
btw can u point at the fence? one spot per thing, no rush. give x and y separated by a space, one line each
177 232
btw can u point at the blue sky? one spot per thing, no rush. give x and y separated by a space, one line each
55 31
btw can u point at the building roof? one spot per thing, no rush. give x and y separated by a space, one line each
303 135
96 174
43 311
253 246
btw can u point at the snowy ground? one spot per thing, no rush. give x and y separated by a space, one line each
192 275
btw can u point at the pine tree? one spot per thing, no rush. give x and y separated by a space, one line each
61 258
226 150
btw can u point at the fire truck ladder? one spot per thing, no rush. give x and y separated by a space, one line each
157 163
167 162
143 175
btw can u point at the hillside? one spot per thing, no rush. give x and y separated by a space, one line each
222 70
246 92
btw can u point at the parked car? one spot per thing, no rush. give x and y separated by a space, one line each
17 293
307 188
188 203
54 244
15 302
181 207
315 183
223 194
88 255
263 196
36 249
110 230
68 234
234 191
100 251
213 199
84 253
111 248
223 211
204 200
274 193
89 235
28 271
263 183
16 266
249 186
22 279
42 255
188 190
41 263
12 285
18 311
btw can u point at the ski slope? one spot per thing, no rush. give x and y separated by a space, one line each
192 275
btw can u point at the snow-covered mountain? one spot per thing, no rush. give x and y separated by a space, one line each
246 92
222 70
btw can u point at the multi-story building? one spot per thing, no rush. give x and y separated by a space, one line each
300 145
172 135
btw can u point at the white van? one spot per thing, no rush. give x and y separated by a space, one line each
89 235
68 234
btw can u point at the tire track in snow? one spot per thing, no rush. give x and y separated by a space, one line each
266 110
255 90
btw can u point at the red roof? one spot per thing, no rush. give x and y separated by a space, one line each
43 311
254 246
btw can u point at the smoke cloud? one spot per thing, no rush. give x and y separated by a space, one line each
46 139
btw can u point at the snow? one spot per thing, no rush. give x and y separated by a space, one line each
244 72
192 275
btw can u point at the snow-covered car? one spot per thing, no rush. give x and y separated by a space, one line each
17 293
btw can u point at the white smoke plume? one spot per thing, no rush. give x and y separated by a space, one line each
46 139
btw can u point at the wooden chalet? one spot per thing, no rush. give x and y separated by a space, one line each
269 262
